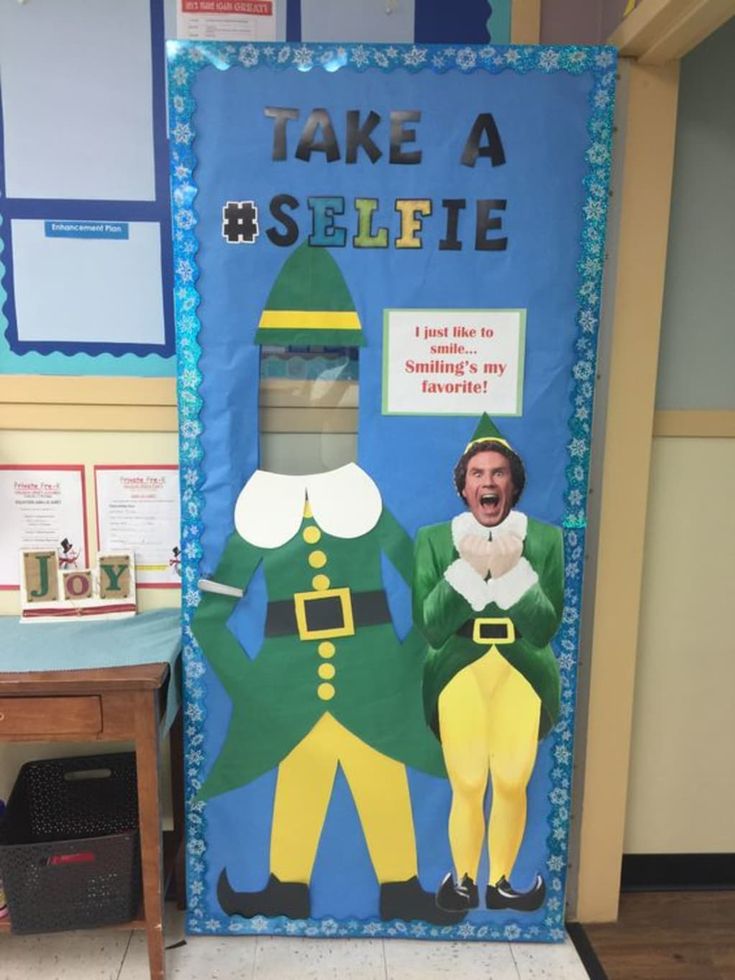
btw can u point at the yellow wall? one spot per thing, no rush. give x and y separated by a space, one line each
681 795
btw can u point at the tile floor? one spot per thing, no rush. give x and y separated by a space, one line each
108 955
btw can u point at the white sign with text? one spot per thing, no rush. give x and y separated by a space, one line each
453 362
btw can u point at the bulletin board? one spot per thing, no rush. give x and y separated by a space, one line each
440 210
85 233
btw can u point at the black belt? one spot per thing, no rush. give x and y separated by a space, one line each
325 615
486 630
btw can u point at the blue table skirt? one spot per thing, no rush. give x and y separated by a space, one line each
152 637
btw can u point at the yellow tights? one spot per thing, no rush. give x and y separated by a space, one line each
488 718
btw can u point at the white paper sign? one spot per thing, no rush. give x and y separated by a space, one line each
41 507
138 512
453 362
226 20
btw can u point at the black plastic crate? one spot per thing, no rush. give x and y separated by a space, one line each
69 850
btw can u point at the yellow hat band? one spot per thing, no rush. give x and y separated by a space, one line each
503 442
309 320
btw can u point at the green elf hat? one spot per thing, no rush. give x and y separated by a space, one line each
310 304
486 430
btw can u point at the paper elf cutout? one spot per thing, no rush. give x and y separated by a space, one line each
488 596
332 685
310 304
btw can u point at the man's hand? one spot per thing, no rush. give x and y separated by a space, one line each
476 551
493 558
504 554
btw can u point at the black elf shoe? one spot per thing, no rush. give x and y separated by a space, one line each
453 897
289 898
504 896
408 900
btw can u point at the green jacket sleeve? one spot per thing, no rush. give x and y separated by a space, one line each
538 612
438 610
396 544
228 658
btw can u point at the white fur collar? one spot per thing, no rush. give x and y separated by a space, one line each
464 524
345 502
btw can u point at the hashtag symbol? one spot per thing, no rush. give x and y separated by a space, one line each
240 222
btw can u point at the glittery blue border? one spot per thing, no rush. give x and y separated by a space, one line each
185 60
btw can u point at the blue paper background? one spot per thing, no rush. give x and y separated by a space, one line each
542 221
552 108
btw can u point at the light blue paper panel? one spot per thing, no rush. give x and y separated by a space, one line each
355 20
57 298
88 109
393 21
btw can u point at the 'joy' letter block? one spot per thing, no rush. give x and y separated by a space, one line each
41 575
77 584
114 576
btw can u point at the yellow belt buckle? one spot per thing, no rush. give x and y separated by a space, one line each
300 600
477 636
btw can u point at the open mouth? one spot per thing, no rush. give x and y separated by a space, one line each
489 499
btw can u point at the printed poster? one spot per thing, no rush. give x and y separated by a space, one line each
381 649
138 513
226 20
41 507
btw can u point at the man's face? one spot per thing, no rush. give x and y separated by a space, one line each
488 489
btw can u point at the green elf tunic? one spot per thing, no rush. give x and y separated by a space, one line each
326 606
449 594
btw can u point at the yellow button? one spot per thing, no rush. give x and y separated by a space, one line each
326 671
307 509
317 559
325 692
311 534
320 583
326 649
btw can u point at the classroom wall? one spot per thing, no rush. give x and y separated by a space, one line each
612 12
582 21
682 774
697 355
571 21
654 791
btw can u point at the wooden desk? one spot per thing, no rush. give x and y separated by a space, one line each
109 704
